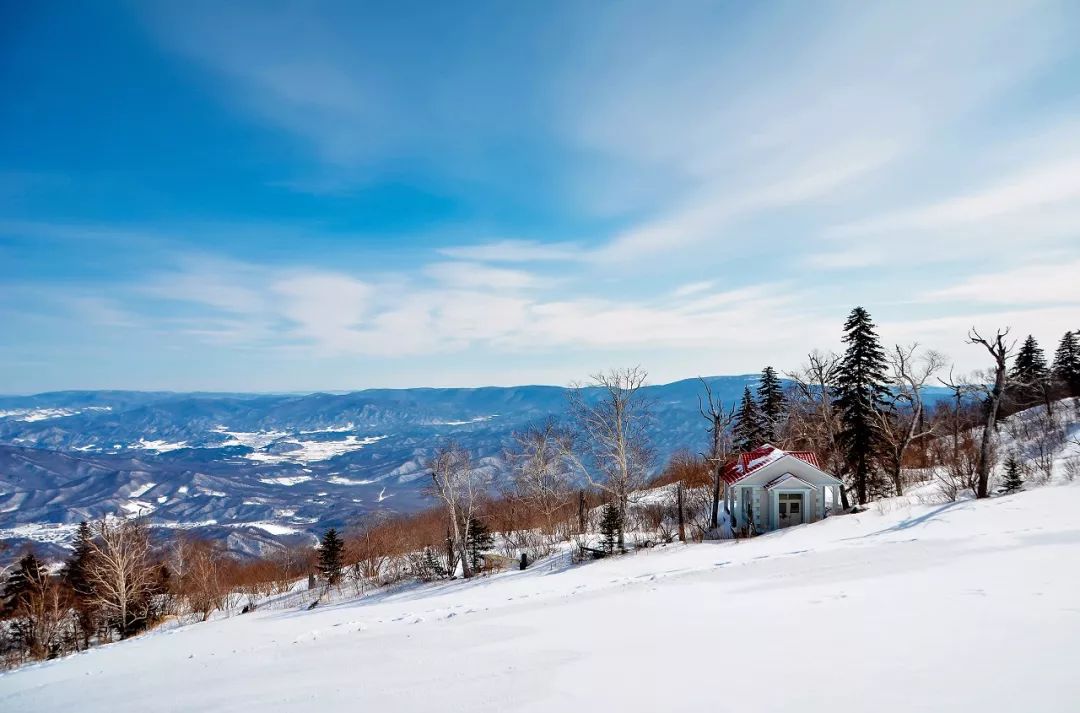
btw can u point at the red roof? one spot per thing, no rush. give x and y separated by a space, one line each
760 457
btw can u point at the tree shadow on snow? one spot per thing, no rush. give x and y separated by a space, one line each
914 521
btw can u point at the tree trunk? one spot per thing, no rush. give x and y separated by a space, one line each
714 520
987 435
682 518
466 568
860 480
451 558
621 542
581 511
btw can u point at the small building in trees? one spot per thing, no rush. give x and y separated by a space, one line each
769 488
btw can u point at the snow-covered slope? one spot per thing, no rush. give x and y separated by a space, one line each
963 606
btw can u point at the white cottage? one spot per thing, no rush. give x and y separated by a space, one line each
769 488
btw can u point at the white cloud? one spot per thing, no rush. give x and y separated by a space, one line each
1029 191
1055 283
324 307
474 275
515 251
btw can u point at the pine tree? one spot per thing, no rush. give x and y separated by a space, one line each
1030 373
75 569
610 526
771 403
748 433
330 557
75 575
21 583
1030 364
1013 478
479 542
1067 363
861 395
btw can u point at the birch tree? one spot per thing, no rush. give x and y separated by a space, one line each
540 470
120 572
905 421
460 486
612 418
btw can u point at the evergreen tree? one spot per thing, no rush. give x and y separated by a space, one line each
1013 477
771 403
860 395
1030 373
330 557
75 576
75 569
611 525
1030 364
479 542
21 583
1067 363
749 432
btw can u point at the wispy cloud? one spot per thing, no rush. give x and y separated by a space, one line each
1054 284
516 251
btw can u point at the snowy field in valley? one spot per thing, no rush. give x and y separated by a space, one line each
971 606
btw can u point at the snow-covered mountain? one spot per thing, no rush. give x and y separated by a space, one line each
253 468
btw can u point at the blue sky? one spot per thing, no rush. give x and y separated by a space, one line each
297 196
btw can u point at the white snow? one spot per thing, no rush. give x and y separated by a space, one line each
271 527
159 446
341 480
333 429
967 606
142 490
44 414
256 440
312 451
287 480
465 422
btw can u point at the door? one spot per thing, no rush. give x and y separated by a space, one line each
791 509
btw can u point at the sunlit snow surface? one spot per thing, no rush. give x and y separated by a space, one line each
44 414
289 448
967 606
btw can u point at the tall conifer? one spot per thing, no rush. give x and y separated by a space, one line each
860 396
771 403
330 556
748 433
1067 363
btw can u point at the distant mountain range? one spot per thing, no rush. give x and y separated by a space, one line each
254 469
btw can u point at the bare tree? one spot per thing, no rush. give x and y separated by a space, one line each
460 486
812 419
1000 352
615 454
204 583
720 420
905 422
541 472
120 572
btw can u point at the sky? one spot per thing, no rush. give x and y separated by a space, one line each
278 196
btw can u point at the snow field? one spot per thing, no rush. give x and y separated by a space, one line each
965 606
